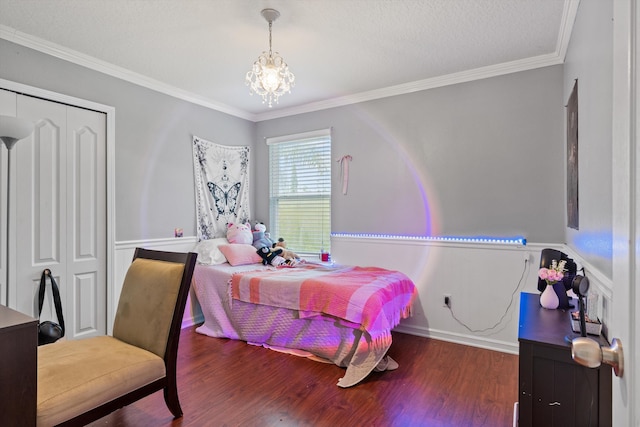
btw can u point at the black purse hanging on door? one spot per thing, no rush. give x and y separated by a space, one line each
48 331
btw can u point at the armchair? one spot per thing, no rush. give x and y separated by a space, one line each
80 381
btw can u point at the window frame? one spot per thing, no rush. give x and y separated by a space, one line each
322 197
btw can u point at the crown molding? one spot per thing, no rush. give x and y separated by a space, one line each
568 19
420 85
55 50
564 35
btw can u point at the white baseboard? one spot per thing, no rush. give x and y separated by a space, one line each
189 321
470 340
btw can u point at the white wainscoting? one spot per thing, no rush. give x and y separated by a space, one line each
484 281
124 256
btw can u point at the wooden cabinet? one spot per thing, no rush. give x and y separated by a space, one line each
18 368
553 389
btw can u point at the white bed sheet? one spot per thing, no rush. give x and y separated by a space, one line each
326 337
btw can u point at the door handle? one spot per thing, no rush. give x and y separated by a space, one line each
588 352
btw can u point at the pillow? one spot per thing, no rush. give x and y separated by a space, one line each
240 254
209 253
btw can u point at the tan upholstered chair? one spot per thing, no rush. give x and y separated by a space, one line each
80 381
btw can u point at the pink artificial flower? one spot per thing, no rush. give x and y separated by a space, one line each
553 274
543 273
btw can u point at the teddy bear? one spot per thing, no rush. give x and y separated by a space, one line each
239 233
286 253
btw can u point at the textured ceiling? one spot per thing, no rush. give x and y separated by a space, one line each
341 51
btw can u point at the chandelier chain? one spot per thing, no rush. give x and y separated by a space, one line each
270 76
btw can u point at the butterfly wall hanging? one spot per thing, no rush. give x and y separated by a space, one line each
222 186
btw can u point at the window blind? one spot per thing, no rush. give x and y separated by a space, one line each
300 190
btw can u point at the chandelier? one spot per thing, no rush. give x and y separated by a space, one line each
270 76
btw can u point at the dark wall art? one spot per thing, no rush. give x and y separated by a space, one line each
572 159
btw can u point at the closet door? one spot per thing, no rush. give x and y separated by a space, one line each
86 221
60 220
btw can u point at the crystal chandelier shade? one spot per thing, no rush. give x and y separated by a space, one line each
270 76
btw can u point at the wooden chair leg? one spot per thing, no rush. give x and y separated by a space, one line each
171 399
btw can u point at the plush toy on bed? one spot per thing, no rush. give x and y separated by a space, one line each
239 233
260 236
286 253
265 246
271 256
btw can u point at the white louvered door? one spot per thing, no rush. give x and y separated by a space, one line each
60 219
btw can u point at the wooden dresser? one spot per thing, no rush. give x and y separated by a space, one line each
553 389
18 368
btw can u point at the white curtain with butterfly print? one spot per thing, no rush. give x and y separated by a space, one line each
222 187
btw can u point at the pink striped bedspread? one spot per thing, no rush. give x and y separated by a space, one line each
373 298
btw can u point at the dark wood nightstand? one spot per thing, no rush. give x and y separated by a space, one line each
553 389
18 368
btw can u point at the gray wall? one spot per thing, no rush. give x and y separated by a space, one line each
153 155
590 61
479 158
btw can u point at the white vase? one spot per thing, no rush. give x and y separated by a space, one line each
548 298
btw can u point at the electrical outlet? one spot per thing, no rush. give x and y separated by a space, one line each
527 256
446 301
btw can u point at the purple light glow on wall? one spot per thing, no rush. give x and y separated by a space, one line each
420 177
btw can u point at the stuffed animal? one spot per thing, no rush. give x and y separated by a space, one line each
286 253
239 233
261 238
271 256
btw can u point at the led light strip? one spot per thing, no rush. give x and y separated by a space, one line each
454 239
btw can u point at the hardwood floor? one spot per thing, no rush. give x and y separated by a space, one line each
230 383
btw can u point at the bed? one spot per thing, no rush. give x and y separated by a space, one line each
338 314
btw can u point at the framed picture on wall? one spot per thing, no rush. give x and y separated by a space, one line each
572 159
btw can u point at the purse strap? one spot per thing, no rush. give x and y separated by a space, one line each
56 296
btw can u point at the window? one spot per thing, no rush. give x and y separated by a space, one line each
300 190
